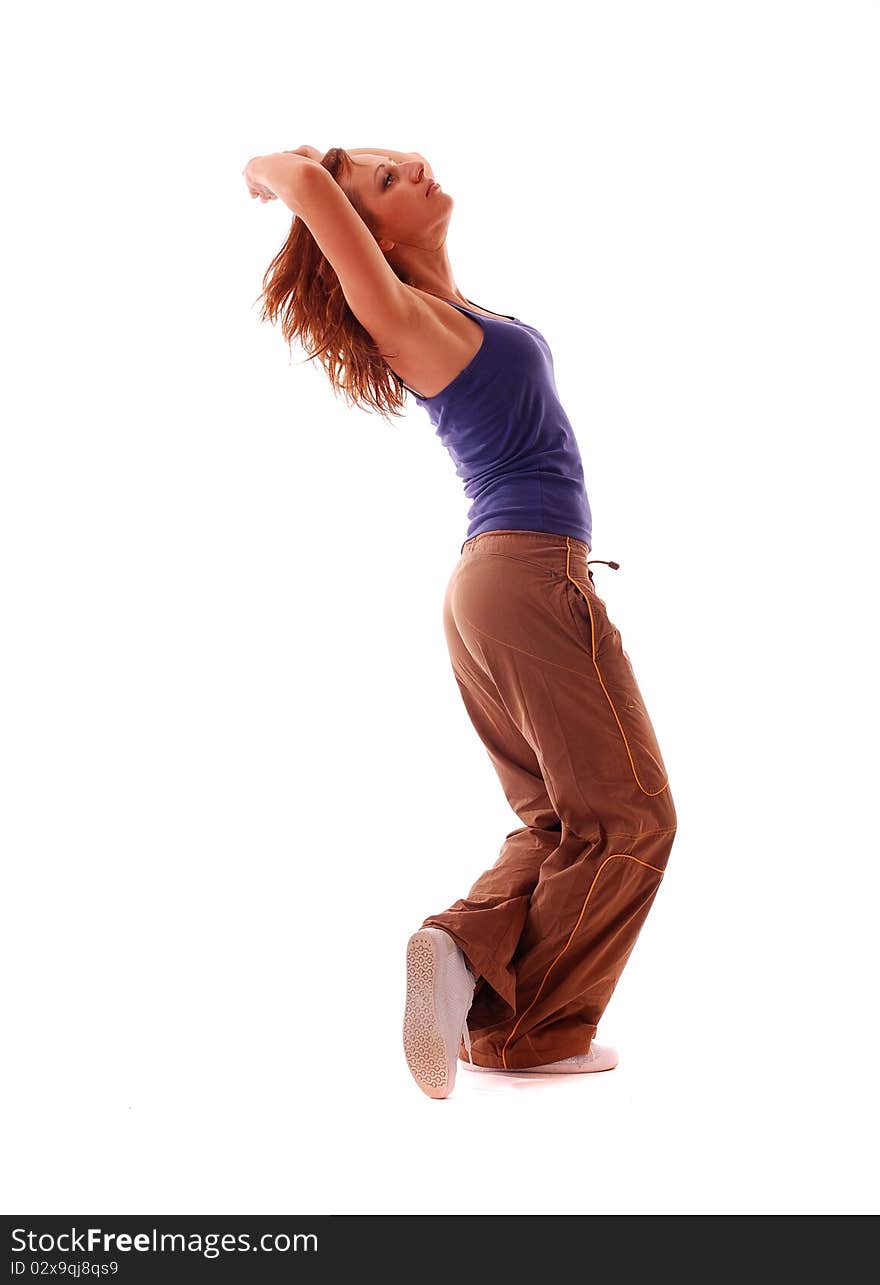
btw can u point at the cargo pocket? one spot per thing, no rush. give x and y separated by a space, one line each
614 671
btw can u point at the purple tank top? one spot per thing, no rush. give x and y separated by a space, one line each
510 439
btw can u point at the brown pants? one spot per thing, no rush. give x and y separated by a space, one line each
546 683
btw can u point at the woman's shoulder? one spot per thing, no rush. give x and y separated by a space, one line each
434 345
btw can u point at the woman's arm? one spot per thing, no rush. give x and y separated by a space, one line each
382 151
306 150
275 172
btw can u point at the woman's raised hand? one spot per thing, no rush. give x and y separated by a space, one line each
254 187
261 168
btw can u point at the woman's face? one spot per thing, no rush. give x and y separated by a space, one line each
403 200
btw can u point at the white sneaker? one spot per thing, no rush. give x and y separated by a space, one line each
599 1058
439 991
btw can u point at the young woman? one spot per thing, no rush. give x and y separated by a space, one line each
516 975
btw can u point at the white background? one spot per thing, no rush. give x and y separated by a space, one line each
236 771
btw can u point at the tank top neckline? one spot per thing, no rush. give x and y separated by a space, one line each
493 316
498 316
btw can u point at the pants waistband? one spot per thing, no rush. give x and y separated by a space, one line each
563 553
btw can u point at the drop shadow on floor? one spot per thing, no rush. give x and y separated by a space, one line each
483 1081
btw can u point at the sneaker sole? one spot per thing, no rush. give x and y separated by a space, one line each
422 1041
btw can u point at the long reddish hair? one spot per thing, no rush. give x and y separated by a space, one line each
300 286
